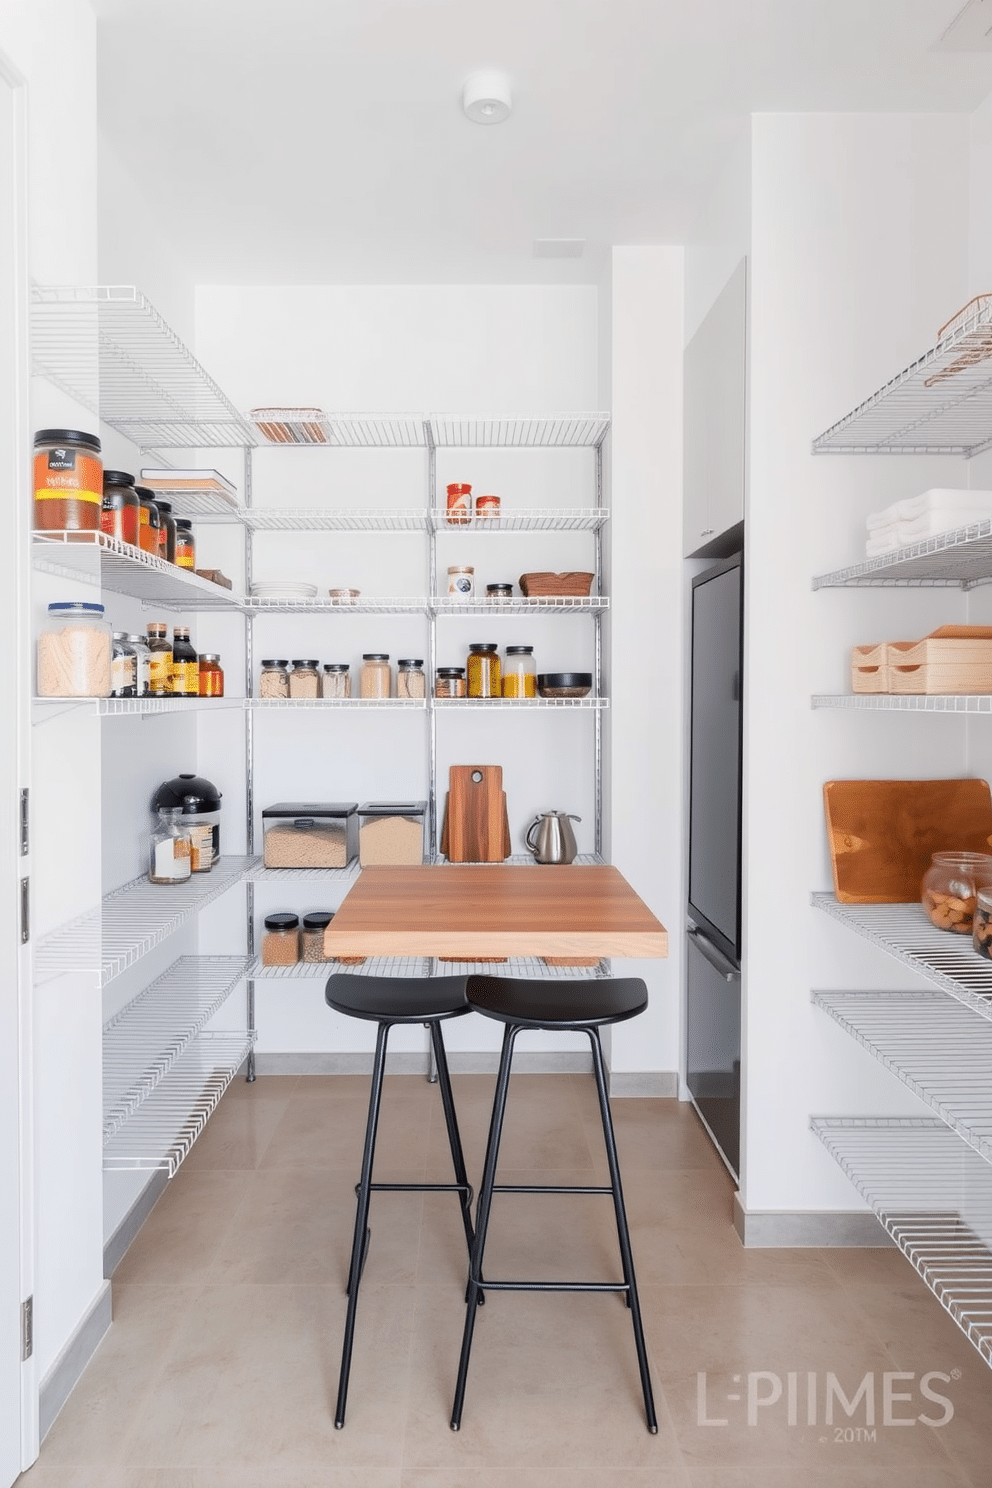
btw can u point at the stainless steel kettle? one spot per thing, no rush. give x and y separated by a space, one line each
550 837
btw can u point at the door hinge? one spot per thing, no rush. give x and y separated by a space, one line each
25 910
24 822
27 1328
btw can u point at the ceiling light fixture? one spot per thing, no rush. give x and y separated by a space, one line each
486 97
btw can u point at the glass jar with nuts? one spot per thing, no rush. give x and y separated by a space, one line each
950 889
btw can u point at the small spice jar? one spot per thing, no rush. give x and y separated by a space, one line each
120 514
143 658
459 512
167 536
486 507
273 680
312 937
150 523
377 676
337 679
483 670
519 673
185 544
496 593
410 678
211 675
123 667
171 859
304 679
68 481
449 682
461 582
949 892
160 659
75 649
281 941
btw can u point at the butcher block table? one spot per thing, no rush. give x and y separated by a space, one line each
476 912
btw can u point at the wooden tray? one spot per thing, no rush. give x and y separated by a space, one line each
955 658
545 585
883 833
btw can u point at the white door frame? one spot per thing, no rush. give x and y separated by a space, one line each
18 1378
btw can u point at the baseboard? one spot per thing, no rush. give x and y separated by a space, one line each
468 1062
126 1231
801 1229
64 1374
633 1084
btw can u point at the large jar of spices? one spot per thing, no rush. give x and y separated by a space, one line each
459 512
449 682
68 481
410 678
273 679
167 537
170 848
150 529
337 680
159 659
185 664
304 679
483 670
75 650
185 544
377 675
281 941
120 514
519 673
211 675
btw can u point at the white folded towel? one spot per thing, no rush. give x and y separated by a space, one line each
939 498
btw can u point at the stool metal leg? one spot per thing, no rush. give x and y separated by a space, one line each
482 1213
360 1244
623 1232
454 1140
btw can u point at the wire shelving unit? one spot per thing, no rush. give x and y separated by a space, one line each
528 519
961 559
424 966
940 404
519 705
518 431
934 1197
906 702
95 558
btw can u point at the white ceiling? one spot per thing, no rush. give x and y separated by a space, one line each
315 141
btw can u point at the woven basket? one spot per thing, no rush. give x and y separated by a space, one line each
544 585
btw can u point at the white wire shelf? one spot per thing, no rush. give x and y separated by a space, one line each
903 930
935 1046
43 708
934 1197
520 704
410 705
313 427
161 1132
961 559
519 860
364 605
518 431
258 873
940 404
532 967
909 702
143 1041
133 920
446 607
345 519
110 350
95 558
529 519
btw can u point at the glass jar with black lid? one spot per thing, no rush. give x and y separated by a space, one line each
68 481
149 532
449 682
120 514
167 541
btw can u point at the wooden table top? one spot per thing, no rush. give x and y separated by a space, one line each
475 911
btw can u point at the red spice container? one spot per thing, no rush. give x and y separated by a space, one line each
119 516
487 506
211 675
459 504
68 481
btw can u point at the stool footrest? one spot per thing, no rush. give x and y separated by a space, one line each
549 1188
552 1286
465 1188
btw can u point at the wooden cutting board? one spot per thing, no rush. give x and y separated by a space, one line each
883 833
476 828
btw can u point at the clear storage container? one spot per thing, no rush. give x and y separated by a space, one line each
312 935
171 859
949 892
281 940
449 682
337 679
483 670
273 680
410 681
310 834
519 673
304 679
377 675
75 648
391 833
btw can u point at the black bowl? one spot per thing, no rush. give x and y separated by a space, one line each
564 684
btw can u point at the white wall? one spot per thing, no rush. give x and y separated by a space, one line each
721 234
852 272
980 202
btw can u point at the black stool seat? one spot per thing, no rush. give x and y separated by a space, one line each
583 1005
388 1001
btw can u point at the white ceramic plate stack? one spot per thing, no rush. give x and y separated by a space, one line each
283 589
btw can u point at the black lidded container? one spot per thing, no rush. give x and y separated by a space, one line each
309 822
199 800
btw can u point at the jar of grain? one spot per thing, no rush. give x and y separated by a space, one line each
392 833
304 679
449 682
312 937
519 673
273 681
337 679
68 481
75 648
377 675
171 857
461 582
310 834
410 679
483 670
497 593
281 941
123 667
950 888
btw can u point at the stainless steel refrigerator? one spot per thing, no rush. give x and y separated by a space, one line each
713 929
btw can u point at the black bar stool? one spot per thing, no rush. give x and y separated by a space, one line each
388 1001
583 1007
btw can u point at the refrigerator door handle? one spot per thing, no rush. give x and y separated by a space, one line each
714 955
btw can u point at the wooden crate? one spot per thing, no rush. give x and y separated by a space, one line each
953 659
870 668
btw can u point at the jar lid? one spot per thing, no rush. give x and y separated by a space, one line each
121 635
138 640
375 655
461 568
307 809
499 588
117 478
282 922
75 606
479 646
337 666
158 626
520 650
210 656
451 671
459 486
184 523
413 661
165 506
319 920
307 664
393 808
147 493
275 663
192 793
66 436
